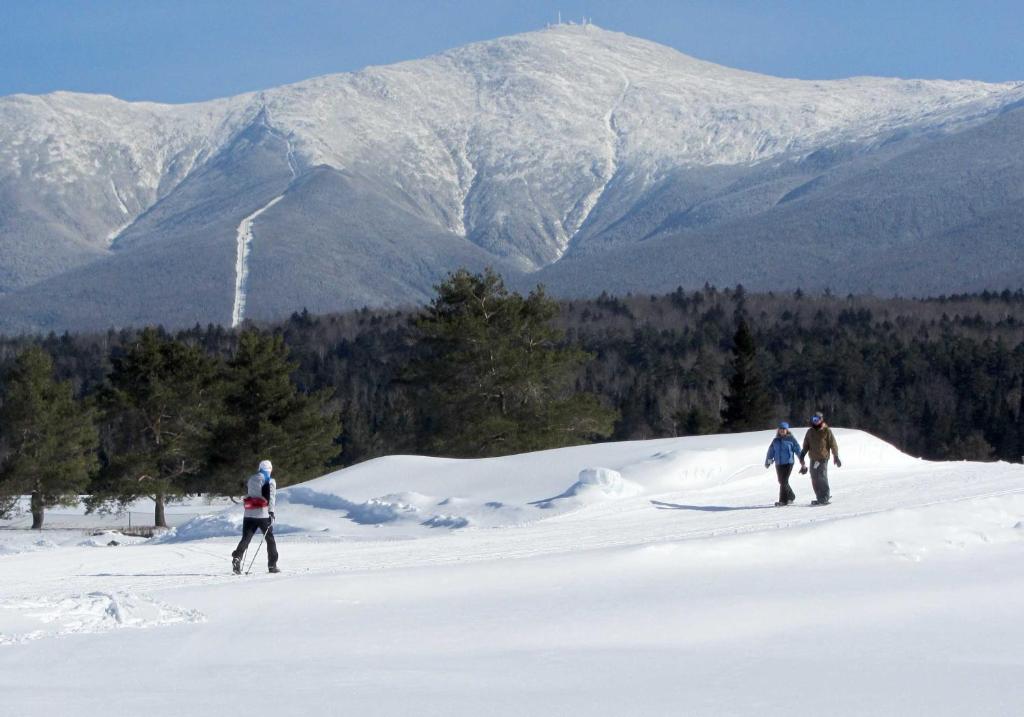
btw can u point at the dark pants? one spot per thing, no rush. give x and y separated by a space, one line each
819 481
249 528
786 494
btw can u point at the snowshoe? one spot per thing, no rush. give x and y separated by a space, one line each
236 566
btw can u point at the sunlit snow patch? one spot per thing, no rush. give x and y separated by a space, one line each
90 613
214 525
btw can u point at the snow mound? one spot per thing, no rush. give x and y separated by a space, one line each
385 509
607 481
97 542
109 538
446 521
91 613
216 525
413 494
15 548
594 484
226 523
382 509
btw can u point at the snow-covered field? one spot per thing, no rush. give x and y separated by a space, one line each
639 578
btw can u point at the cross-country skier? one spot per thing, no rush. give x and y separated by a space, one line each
819 442
260 498
783 451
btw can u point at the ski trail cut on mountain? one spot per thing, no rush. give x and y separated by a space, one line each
611 162
116 232
120 202
289 150
290 153
244 241
466 173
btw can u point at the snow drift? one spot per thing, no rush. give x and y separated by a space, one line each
412 492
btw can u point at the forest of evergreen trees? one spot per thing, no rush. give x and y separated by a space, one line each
940 378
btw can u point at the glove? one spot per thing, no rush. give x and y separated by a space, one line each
839 463
271 517
767 464
803 469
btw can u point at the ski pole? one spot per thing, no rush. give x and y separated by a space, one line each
256 554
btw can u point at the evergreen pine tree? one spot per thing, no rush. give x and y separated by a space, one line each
160 400
266 416
49 441
1020 426
747 403
493 377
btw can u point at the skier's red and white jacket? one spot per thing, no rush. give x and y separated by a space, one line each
260 496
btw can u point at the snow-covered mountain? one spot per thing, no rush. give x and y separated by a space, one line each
366 187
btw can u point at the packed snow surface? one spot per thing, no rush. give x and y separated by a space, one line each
650 577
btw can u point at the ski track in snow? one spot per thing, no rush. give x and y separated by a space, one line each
244 241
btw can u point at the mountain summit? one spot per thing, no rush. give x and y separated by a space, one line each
585 158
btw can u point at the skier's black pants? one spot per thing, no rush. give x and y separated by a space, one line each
819 481
249 528
786 494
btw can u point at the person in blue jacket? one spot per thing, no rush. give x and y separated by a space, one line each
784 451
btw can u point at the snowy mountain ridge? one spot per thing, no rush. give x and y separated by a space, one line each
561 109
520 148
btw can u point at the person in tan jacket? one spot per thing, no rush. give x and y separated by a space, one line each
819 442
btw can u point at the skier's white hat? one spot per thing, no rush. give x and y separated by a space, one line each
266 466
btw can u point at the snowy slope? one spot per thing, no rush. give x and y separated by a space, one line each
675 589
611 488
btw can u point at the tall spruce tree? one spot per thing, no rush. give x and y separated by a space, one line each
160 402
49 441
748 404
265 416
493 377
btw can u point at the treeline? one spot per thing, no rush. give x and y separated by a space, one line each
168 419
482 371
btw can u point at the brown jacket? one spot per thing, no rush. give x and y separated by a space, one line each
818 442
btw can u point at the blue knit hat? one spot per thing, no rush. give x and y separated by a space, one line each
784 425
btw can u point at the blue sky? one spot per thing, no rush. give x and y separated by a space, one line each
186 50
